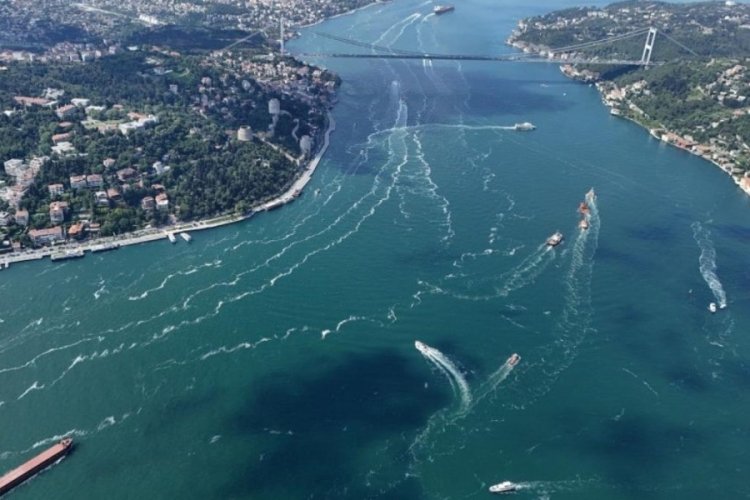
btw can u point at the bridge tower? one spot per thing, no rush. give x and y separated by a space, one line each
649 47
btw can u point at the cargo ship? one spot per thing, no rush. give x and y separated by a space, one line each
442 9
35 465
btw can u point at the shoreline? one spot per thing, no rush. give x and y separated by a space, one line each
653 132
154 234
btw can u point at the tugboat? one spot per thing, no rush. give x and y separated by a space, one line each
555 239
442 9
504 487
513 360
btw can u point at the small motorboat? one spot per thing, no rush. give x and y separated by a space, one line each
712 307
555 239
504 487
171 237
583 208
514 359
583 223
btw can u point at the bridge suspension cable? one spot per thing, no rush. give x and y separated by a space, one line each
381 52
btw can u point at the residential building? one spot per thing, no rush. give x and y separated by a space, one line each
22 217
148 203
78 181
55 189
5 219
46 236
94 180
162 201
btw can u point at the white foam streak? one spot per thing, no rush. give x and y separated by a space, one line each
34 387
450 370
707 263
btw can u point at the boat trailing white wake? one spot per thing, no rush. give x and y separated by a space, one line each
452 373
497 377
707 262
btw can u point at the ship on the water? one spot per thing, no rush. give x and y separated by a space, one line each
442 9
555 239
186 237
513 360
524 127
69 254
504 487
35 465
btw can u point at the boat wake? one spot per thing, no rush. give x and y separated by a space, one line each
494 380
528 270
451 372
707 262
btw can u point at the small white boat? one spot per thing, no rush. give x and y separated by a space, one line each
504 487
524 127
555 239
514 359
712 307
171 237
186 237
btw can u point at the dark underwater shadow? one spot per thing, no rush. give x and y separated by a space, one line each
334 415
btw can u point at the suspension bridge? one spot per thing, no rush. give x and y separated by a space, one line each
570 54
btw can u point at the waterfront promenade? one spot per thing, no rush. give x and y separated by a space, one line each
154 234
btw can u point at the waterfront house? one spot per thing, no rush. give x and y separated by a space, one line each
77 230
46 236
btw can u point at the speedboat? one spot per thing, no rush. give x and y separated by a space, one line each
712 307
524 126
504 487
583 223
514 359
555 239
590 196
583 208
420 347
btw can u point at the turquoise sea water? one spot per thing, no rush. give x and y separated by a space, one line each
275 359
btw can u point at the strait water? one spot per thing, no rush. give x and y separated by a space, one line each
275 359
